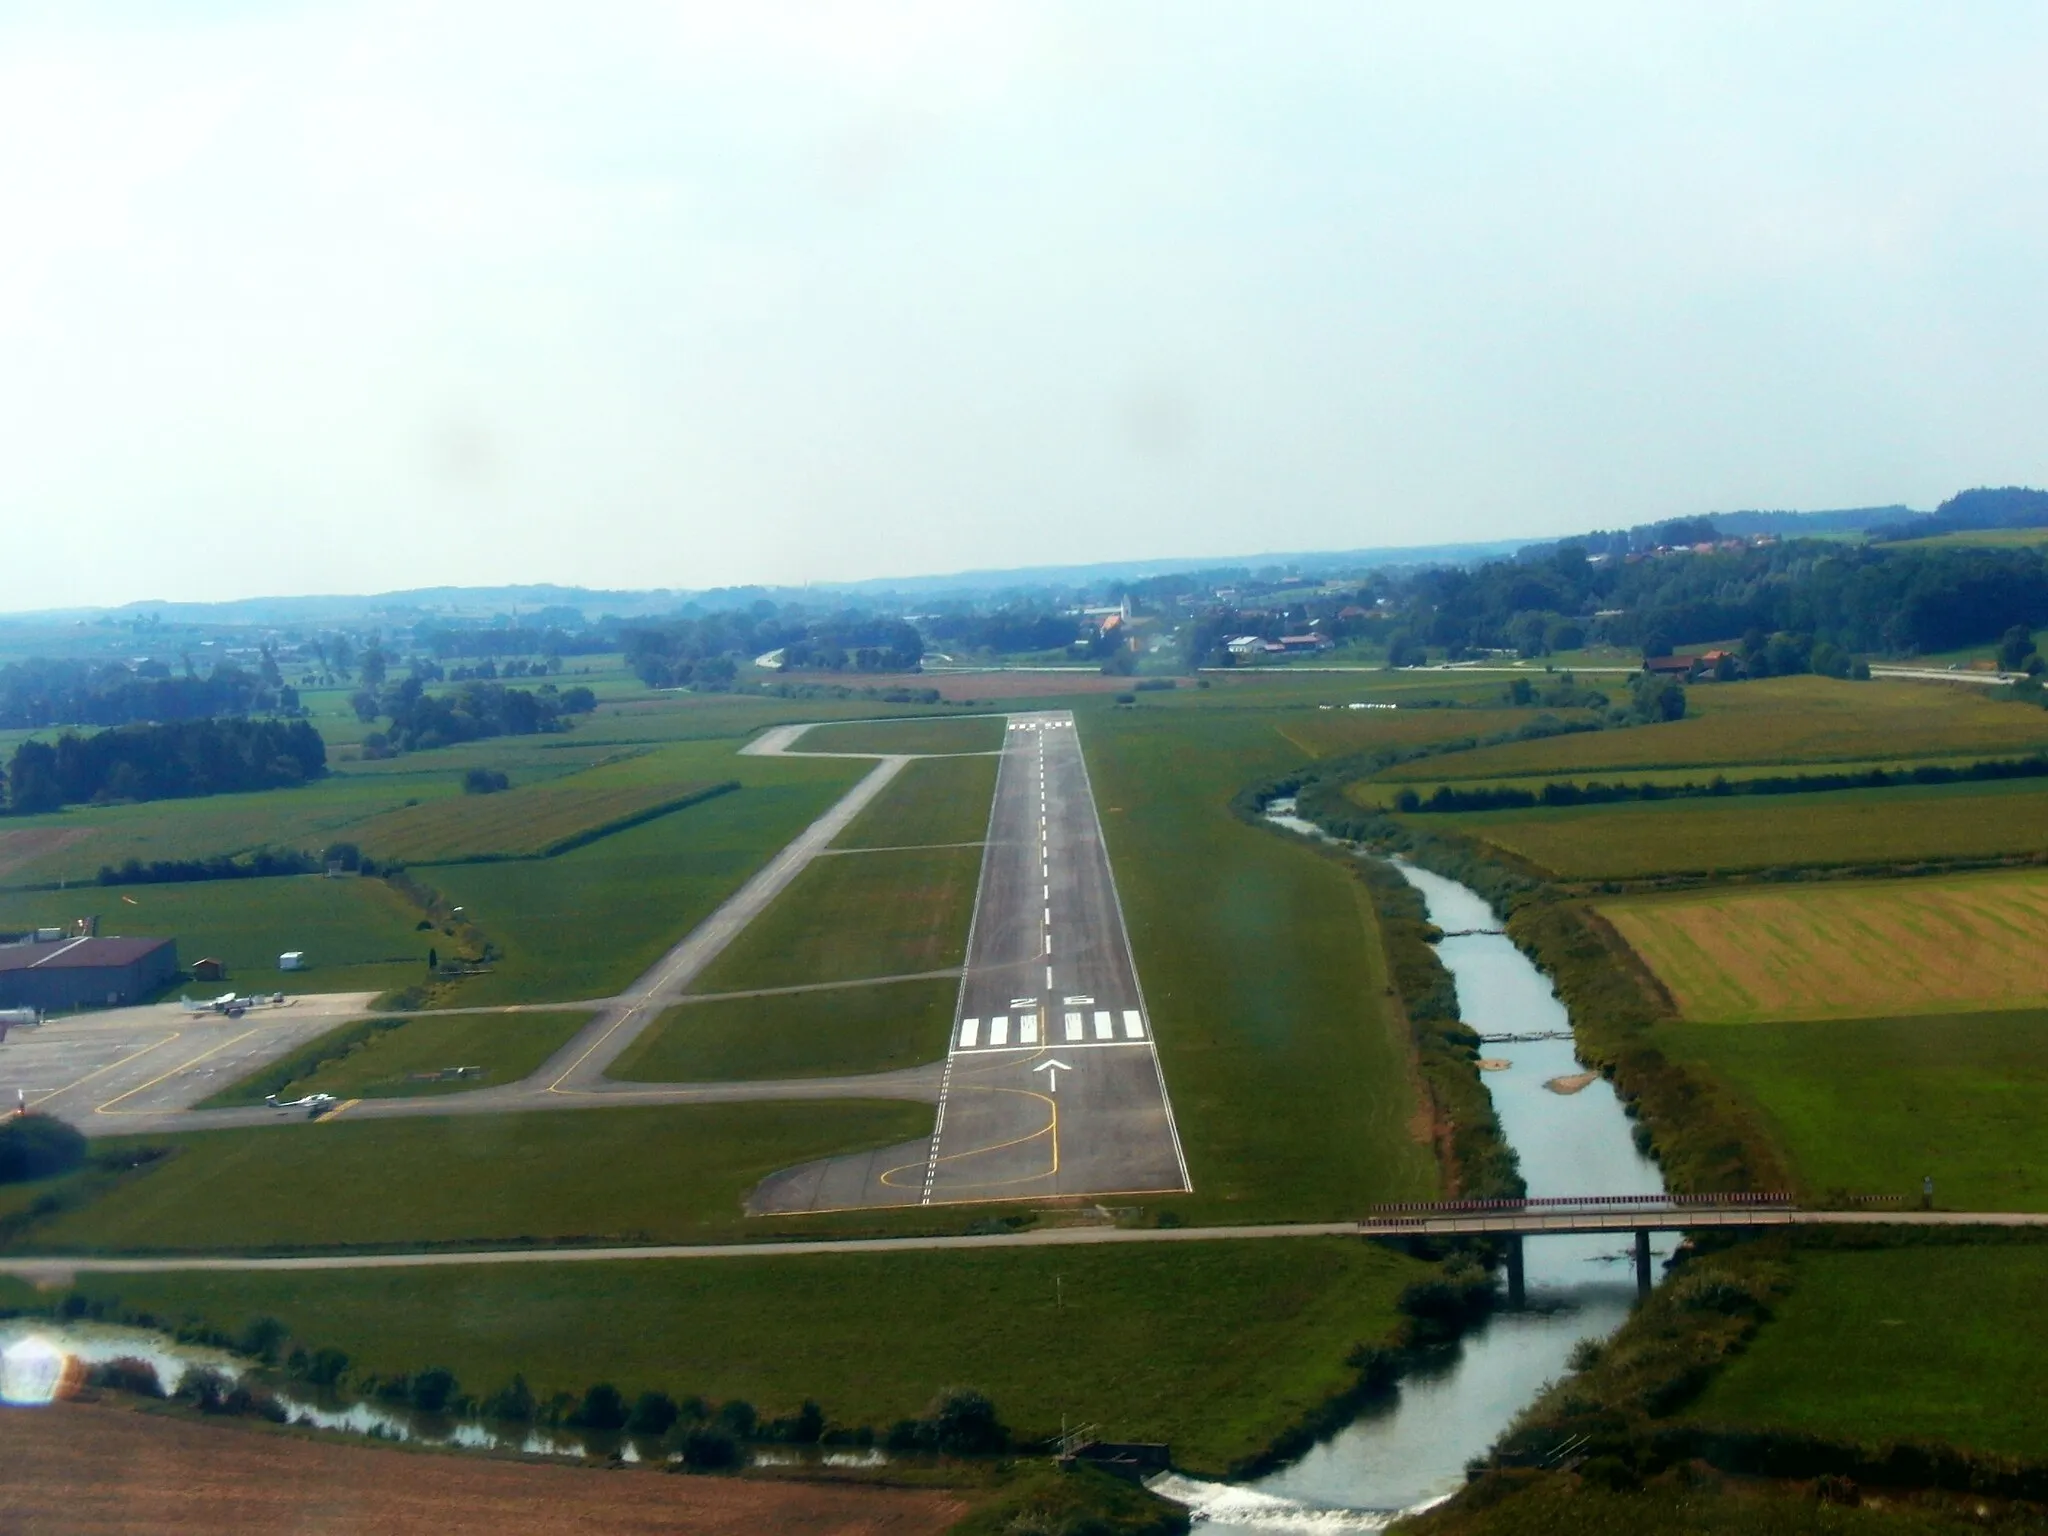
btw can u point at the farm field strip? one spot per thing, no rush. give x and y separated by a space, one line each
1782 721
1832 829
518 823
1845 950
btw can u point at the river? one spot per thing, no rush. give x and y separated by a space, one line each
1412 1453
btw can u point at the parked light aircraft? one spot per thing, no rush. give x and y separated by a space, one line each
312 1103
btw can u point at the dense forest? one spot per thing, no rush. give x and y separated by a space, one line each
163 762
704 652
40 692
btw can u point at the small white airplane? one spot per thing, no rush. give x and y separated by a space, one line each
219 1004
312 1103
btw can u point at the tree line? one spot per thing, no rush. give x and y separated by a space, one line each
42 692
705 652
168 761
1508 797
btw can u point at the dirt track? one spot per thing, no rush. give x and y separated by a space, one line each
106 1468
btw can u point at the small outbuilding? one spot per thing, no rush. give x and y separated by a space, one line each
292 960
209 969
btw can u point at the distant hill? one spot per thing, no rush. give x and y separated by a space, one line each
2011 506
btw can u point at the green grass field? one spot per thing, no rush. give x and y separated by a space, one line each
659 1174
860 915
358 935
587 922
1843 828
1776 720
938 800
802 1034
1261 964
970 733
1915 1343
1872 1105
382 1064
1124 1338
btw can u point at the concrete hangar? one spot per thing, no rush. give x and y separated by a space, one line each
54 974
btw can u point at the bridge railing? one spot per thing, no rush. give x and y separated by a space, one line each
1510 1205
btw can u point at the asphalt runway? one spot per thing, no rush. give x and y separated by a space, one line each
1052 1085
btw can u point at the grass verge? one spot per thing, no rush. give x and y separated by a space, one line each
800 1034
939 800
1261 961
844 919
389 1058
977 733
641 1174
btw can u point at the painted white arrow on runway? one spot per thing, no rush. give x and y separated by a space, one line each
1052 1070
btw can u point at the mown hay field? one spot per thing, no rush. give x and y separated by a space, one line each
1845 950
963 733
1836 829
937 800
518 823
1873 1106
1777 720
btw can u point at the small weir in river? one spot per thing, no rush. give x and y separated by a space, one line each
1412 1452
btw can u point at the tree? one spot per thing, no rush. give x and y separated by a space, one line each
38 1147
2015 648
484 781
603 1407
654 1413
964 1423
373 666
433 1389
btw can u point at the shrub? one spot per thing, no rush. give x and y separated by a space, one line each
706 1448
484 781
964 1423
738 1419
38 1147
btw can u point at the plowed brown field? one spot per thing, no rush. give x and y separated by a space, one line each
96 1469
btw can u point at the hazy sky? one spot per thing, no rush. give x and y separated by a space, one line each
353 296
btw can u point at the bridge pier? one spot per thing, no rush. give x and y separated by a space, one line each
1642 1263
1517 1289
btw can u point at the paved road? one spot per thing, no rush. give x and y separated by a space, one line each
1052 1084
59 1268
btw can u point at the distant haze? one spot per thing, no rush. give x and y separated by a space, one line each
369 296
